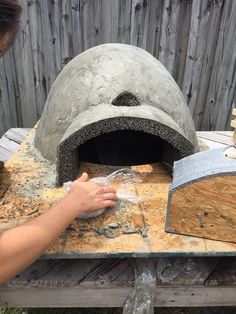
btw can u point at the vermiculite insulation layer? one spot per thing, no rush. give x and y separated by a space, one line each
109 88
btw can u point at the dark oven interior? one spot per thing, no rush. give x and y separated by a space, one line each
124 148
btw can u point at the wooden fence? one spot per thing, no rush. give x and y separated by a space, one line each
194 39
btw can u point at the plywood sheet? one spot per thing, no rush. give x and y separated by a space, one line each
27 189
205 209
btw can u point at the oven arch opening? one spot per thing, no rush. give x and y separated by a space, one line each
123 148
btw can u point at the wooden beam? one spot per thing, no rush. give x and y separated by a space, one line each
17 135
82 297
215 137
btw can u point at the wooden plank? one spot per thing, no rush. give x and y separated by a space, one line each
47 48
212 145
216 137
224 133
224 274
110 273
139 23
37 54
182 42
114 273
146 15
110 12
87 273
176 271
7 110
221 94
93 25
12 90
173 36
66 32
81 297
8 144
17 135
4 154
76 21
26 73
203 35
124 22
92 273
212 31
57 28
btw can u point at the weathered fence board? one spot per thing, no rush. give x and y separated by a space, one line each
194 39
223 75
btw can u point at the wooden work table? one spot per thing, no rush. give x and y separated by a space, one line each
190 271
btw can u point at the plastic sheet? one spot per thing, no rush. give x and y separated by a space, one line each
123 180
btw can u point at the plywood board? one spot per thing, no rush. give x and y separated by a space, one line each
206 209
27 189
202 196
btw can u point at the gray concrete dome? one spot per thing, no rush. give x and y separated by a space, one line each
108 88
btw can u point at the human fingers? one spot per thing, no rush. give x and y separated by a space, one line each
83 178
107 189
110 196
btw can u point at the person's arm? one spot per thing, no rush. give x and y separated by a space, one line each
22 245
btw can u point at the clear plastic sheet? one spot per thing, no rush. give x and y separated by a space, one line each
123 180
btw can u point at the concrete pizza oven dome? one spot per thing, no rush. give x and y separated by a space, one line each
109 92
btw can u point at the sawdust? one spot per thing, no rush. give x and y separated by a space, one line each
27 189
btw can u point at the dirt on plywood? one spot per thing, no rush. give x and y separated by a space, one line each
131 229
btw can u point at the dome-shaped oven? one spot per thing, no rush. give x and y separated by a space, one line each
114 103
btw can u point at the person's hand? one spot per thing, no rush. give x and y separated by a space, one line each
90 196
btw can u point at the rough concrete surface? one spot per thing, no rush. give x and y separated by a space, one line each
108 88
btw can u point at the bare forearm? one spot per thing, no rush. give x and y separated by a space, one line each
20 246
